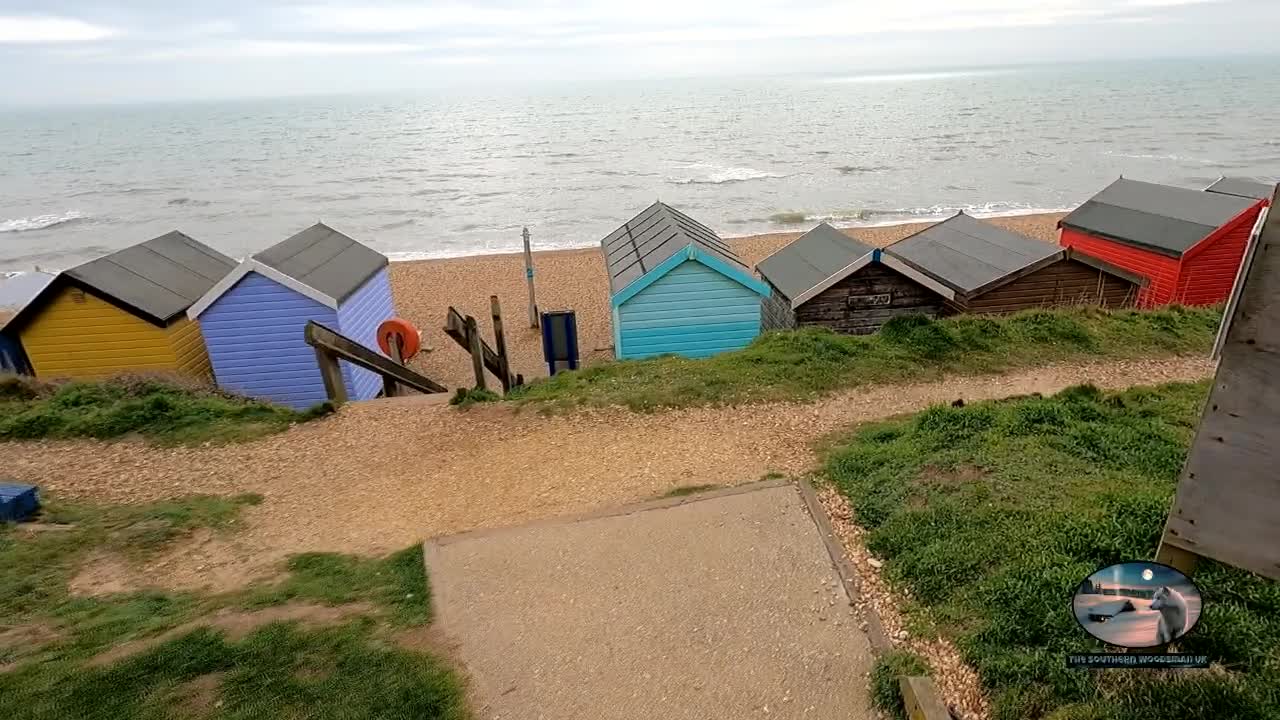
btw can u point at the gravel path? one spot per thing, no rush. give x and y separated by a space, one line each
381 475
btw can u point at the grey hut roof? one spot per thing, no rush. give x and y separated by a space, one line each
325 259
811 259
653 236
1243 187
1166 219
20 288
967 254
157 279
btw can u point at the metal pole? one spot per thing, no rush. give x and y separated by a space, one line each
528 273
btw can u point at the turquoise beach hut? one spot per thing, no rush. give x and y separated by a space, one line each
253 319
677 288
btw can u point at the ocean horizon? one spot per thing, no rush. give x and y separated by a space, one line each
421 176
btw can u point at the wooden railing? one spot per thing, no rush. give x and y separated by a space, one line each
330 347
462 328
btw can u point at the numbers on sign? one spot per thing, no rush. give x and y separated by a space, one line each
865 301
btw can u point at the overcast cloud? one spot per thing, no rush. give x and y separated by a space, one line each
89 51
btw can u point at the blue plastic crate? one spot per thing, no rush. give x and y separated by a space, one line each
18 502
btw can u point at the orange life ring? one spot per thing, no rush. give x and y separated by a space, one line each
406 336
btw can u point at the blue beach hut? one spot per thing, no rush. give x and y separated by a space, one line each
675 287
253 319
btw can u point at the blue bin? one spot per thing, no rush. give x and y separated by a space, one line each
18 502
560 340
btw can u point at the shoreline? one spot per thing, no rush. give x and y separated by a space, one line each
781 229
796 229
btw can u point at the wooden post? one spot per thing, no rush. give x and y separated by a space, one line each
528 273
334 387
920 699
477 352
389 386
1177 558
501 340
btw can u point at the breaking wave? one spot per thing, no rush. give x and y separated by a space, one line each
709 174
865 217
40 222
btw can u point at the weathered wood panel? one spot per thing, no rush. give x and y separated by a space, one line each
861 303
1228 498
1067 282
775 310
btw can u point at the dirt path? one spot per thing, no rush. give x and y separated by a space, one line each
379 476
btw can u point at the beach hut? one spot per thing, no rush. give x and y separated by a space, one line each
16 290
1188 243
989 269
677 288
124 312
253 318
827 279
1243 187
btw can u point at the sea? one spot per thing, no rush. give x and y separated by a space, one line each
443 174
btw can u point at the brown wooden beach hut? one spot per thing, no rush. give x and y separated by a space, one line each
992 270
827 279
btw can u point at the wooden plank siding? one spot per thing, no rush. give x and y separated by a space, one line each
1063 283
692 311
775 310
254 333
1228 493
1206 276
79 335
832 308
359 316
1160 270
188 348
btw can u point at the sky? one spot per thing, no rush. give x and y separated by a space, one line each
87 51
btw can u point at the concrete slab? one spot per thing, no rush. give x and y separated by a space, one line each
725 607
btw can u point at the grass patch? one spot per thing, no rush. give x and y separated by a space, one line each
466 397
351 670
886 693
166 410
279 671
992 513
807 363
685 490
397 582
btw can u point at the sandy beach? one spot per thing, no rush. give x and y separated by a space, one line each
567 279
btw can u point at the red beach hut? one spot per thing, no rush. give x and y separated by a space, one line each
1188 243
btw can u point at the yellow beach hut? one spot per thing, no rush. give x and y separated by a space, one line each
125 312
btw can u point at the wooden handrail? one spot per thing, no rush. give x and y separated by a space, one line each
457 327
330 345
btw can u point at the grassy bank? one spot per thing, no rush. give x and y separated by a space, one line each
807 363
164 410
61 653
992 513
